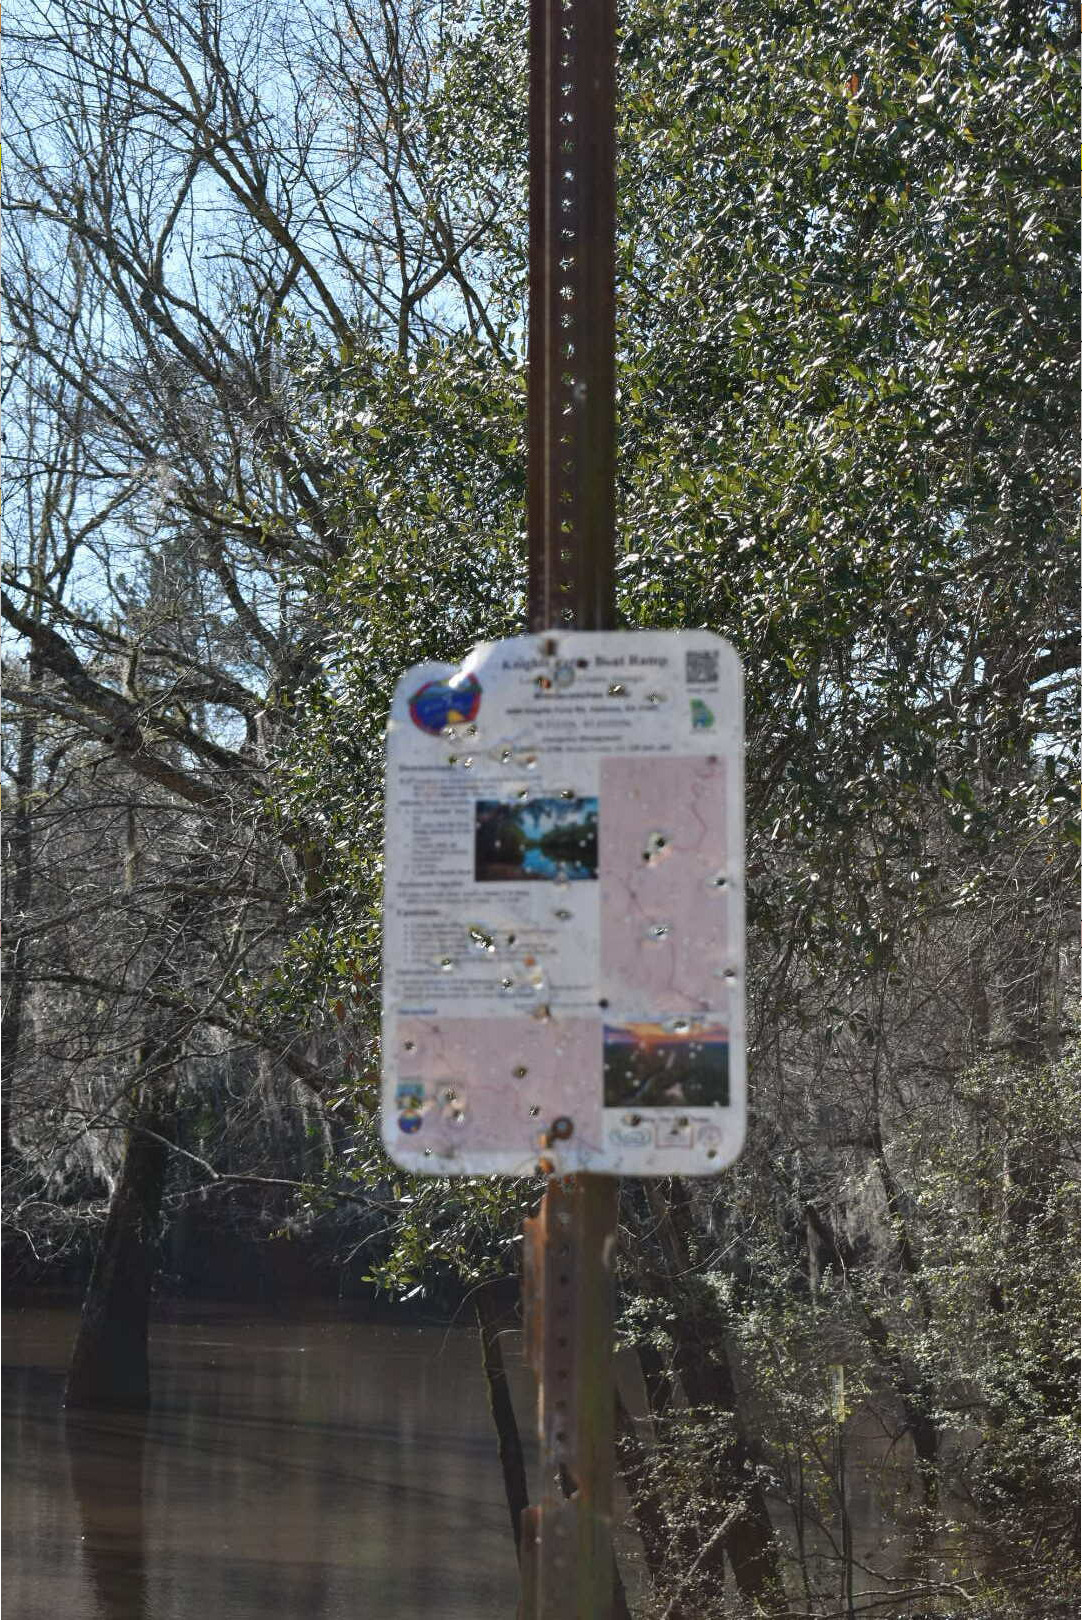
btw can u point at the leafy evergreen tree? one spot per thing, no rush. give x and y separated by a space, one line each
847 429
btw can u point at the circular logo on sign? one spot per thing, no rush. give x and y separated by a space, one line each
438 704
409 1123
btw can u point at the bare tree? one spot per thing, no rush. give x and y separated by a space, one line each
194 199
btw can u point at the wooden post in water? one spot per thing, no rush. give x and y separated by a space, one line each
567 1562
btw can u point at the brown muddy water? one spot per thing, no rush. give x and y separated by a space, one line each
329 1467
289 1470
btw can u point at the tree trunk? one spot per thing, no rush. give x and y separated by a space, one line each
645 1504
491 1307
704 1371
18 892
701 1362
109 1366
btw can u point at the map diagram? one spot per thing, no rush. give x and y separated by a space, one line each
452 1083
664 891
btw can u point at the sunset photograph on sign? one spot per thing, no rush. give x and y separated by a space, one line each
665 1066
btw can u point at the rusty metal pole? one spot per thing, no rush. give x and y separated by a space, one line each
567 1559
566 1544
571 455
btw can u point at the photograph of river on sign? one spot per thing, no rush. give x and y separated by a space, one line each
552 839
666 1065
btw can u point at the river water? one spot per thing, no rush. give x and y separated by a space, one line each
289 1470
331 1467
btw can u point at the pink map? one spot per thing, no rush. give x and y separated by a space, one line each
664 932
506 1079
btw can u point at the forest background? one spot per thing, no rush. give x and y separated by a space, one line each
265 412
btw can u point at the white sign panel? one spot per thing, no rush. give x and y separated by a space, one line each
564 908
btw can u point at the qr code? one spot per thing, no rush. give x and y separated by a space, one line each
702 668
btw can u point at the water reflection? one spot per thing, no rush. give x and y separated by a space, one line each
536 864
105 1459
323 1470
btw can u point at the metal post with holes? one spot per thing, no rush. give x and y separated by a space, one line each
571 461
567 1561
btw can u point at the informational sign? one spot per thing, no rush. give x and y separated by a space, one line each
564 908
